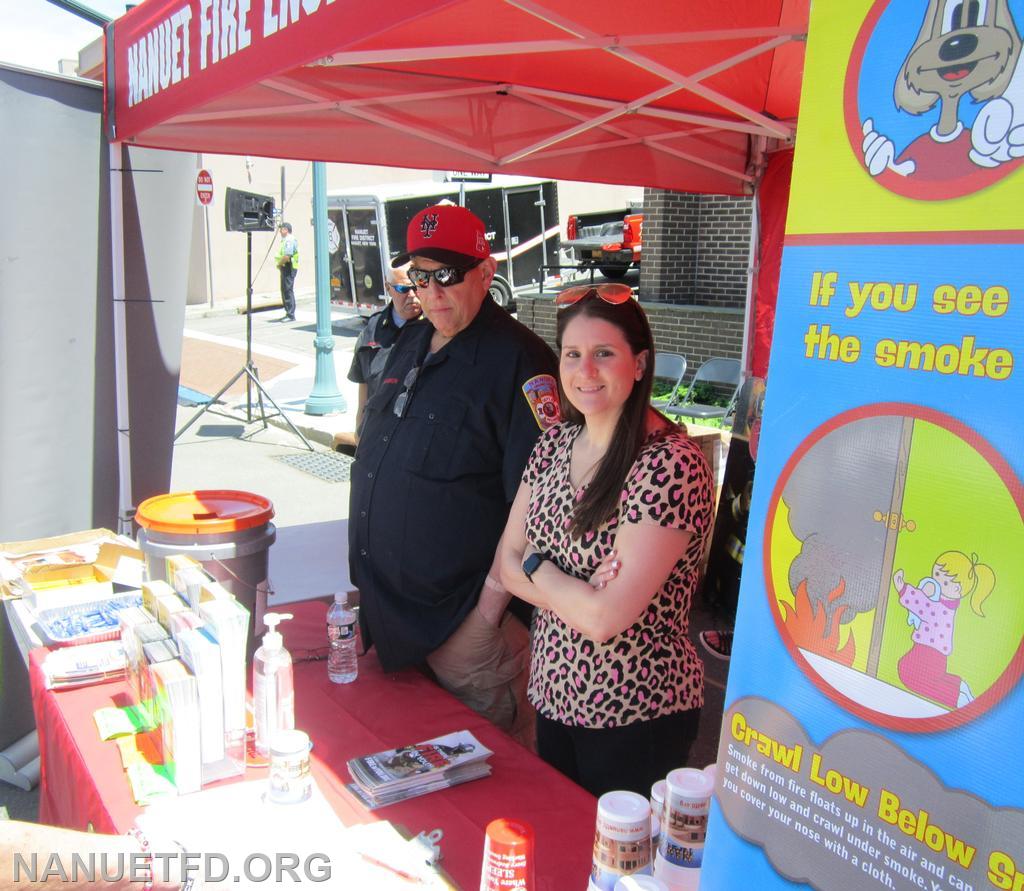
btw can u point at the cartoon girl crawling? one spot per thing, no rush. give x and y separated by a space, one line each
932 609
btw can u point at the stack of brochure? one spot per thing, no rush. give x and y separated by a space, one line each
84 664
176 709
396 774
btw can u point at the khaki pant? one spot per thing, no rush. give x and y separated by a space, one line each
487 667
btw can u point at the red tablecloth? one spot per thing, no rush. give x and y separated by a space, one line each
82 782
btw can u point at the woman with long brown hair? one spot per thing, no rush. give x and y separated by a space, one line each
606 537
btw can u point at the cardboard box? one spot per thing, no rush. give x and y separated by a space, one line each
59 570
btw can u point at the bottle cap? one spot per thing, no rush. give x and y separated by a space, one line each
508 856
341 597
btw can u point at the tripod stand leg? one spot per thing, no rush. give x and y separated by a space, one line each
249 371
255 374
206 407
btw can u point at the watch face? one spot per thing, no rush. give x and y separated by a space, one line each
531 563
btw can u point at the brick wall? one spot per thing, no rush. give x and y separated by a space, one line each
693 276
723 250
696 249
668 268
697 332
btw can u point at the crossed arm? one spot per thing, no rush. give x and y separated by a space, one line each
617 592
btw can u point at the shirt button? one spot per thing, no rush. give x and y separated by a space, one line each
362 513
386 438
369 476
431 416
362 552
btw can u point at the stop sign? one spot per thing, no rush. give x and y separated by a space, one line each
204 187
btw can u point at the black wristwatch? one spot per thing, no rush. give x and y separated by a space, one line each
532 563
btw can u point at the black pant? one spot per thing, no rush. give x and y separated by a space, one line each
288 289
633 757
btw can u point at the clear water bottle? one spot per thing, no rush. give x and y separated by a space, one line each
342 666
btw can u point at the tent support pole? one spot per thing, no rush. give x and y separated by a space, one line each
753 259
125 505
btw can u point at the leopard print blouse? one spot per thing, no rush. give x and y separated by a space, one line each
651 669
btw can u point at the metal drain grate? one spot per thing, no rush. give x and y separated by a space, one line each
329 466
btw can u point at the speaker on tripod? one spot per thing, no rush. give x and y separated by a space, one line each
248 212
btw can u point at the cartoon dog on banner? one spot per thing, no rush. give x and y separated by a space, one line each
965 50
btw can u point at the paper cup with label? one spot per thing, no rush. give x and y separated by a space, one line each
508 857
290 781
622 839
687 800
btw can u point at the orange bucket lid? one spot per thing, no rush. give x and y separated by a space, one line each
208 511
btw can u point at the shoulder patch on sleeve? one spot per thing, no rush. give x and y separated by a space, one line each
541 392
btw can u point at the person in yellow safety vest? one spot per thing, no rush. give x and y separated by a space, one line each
288 262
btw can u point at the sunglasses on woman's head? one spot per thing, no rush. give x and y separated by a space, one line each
614 294
445 276
401 289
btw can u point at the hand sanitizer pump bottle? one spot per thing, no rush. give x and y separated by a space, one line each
273 690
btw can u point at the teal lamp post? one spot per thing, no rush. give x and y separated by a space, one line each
325 397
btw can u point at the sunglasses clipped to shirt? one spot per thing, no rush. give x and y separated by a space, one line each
614 294
446 276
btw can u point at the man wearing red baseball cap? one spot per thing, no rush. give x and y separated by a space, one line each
442 450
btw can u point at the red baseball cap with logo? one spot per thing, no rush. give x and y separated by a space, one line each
447 233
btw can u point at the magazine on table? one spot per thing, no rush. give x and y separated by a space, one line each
396 774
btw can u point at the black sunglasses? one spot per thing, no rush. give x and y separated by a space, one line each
445 276
402 399
401 289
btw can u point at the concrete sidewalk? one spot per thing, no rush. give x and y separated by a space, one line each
285 358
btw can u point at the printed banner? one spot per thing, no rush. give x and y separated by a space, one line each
871 734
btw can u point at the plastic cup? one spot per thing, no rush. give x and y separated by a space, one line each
290 781
622 840
657 812
508 857
687 800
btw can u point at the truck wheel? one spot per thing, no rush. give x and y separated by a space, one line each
501 292
614 272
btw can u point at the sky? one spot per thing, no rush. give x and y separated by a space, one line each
36 34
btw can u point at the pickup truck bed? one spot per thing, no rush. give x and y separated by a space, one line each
612 246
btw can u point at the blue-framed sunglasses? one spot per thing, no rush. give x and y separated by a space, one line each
401 289
446 276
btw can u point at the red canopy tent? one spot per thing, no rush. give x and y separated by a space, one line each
675 95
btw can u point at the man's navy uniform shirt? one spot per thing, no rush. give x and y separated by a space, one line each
373 347
431 490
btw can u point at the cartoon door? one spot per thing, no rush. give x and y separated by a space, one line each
886 548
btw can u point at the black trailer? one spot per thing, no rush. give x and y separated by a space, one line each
367 228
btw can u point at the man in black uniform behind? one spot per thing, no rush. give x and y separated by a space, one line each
370 356
442 449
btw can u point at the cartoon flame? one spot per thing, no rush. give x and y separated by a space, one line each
810 628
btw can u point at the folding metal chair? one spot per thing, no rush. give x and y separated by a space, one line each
723 375
671 367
